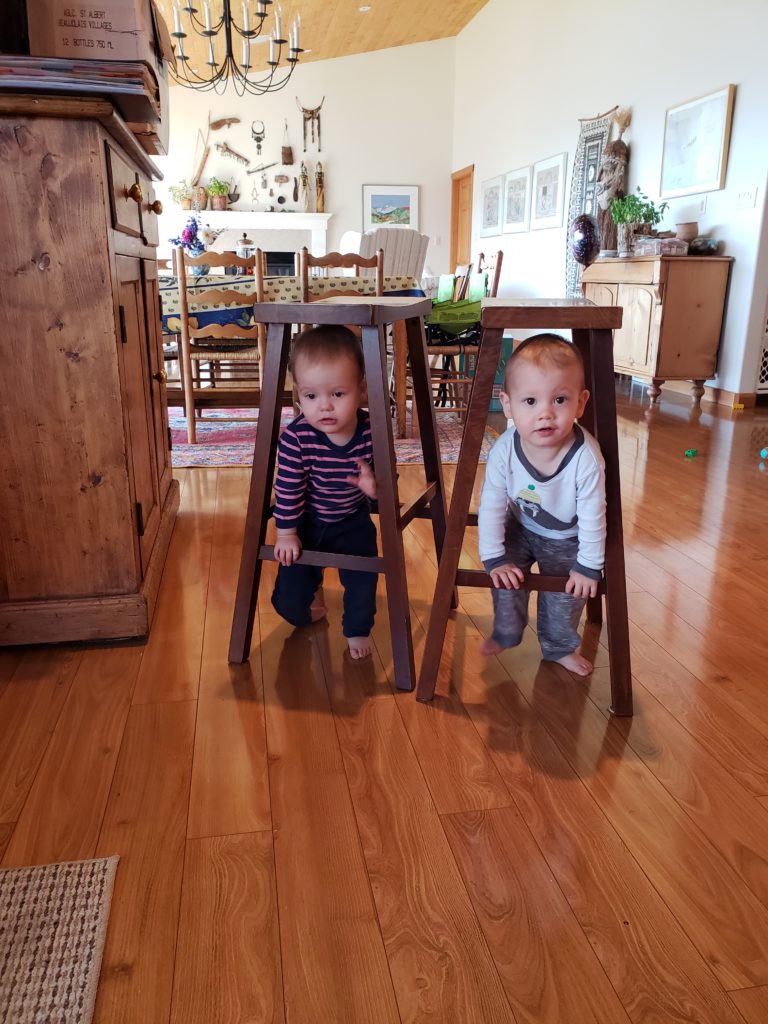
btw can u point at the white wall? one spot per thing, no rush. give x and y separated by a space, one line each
542 67
386 118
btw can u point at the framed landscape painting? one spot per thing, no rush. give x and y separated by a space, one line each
491 207
696 137
517 200
548 192
390 206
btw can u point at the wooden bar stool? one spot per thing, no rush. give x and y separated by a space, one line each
371 314
591 331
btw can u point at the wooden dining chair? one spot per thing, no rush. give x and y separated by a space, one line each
453 348
220 361
314 267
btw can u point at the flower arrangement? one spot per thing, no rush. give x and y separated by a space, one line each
636 208
190 238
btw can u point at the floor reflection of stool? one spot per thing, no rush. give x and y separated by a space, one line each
371 314
591 330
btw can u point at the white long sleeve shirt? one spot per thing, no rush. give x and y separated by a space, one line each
569 503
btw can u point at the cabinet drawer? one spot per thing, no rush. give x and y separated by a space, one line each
151 207
623 271
125 195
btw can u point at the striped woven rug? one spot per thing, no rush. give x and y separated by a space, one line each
53 922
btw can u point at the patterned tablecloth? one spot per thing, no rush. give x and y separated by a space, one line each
276 289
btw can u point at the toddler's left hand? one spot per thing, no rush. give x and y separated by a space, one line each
366 481
580 585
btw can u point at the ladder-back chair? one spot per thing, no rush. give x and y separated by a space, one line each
220 362
321 265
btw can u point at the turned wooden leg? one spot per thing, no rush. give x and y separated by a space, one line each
697 391
654 388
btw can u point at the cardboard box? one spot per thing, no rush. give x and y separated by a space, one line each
104 30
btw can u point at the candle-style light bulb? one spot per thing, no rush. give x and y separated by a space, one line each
246 17
207 10
278 22
296 27
211 58
176 17
271 49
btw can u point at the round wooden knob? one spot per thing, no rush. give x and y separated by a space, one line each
161 376
134 192
156 207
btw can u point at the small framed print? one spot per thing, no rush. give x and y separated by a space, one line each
696 137
517 200
390 206
548 191
491 207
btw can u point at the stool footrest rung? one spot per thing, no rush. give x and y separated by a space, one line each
328 560
532 581
417 507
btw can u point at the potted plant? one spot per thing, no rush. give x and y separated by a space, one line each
182 194
630 211
218 191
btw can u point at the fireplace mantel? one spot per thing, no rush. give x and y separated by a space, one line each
172 221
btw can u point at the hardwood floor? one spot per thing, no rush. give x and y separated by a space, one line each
299 843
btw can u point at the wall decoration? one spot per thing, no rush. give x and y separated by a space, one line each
548 189
311 117
593 135
319 189
390 206
226 150
612 183
696 137
304 187
516 200
491 206
258 134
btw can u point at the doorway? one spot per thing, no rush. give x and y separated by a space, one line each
461 215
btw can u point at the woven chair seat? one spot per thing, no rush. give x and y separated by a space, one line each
248 354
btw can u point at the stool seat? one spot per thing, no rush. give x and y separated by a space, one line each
591 332
372 314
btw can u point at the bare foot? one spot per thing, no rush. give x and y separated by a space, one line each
490 646
575 663
317 609
359 646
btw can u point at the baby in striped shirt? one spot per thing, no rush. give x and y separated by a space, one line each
324 482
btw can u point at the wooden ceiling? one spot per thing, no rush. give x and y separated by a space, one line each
337 28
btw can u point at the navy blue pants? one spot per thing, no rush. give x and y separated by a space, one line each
296 584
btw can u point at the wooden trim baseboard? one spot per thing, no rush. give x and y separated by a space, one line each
717 395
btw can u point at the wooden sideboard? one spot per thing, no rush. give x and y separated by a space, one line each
87 499
673 315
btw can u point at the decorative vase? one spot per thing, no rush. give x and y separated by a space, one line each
219 202
625 237
185 204
199 198
200 270
688 230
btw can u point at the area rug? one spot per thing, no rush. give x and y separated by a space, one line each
53 920
223 443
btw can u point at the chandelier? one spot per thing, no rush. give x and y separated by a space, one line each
224 67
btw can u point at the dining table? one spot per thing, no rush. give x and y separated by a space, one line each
287 288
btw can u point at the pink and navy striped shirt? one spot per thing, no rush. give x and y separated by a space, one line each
312 472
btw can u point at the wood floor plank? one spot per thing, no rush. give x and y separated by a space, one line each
549 971
723 918
752 1004
228 907
230 784
144 825
171 665
62 815
440 964
30 704
657 973
327 917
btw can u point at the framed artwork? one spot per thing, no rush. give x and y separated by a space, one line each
517 200
696 137
548 192
390 206
594 133
491 207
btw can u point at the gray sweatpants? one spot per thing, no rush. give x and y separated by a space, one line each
558 615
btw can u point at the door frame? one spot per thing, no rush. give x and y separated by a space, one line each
461 246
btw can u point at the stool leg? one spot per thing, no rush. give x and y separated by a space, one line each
374 350
422 399
464 482
264 452
600 343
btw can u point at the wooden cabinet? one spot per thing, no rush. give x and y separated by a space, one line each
87 498
673 315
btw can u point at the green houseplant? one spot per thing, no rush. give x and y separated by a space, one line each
182 194
218 190
630 211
